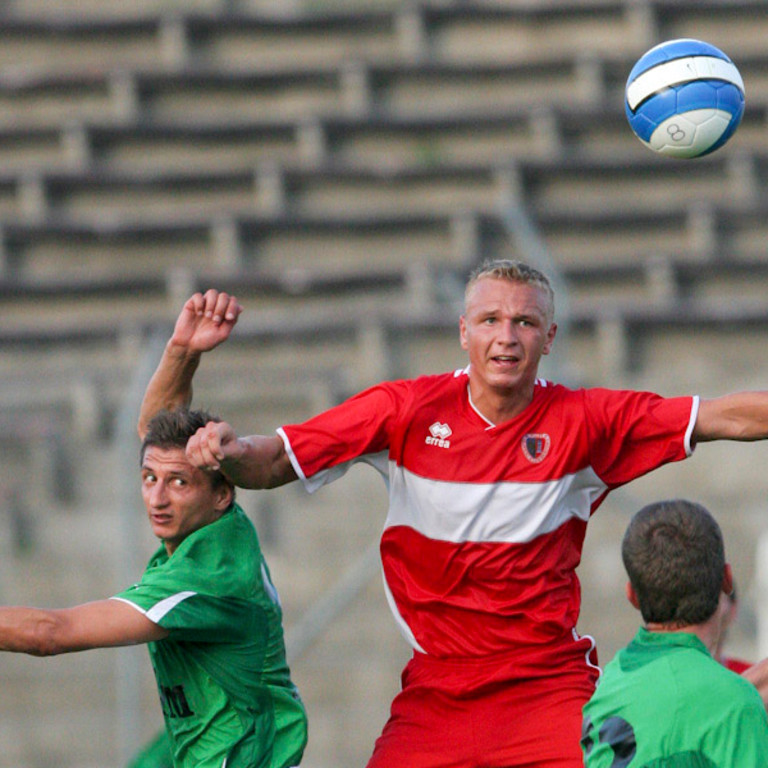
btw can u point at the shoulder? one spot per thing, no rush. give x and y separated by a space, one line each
732 707
711 680
421 387
228 545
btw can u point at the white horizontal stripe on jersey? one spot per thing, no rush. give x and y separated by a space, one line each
489 512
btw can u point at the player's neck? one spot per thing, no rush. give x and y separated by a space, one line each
498 407
708 632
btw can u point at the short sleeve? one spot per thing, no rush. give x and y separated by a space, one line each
358 429
167 600
632 433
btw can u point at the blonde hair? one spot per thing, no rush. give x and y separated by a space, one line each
514 271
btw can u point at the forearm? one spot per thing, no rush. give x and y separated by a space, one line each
100 624
171 384
261 462
28 630
740 416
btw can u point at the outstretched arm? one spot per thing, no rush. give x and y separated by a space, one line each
739 416
257 461
205 321
100 624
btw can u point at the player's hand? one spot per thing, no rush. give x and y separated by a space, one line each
213 444
206 320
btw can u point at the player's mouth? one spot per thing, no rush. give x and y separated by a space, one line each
505 360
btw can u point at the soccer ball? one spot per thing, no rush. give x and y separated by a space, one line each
684 98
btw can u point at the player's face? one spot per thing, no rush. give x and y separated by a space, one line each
506 330
179 497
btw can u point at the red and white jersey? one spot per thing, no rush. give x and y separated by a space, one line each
486 523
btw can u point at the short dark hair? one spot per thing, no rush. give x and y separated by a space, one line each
173 428
675 558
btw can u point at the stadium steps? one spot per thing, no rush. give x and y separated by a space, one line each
91 152
738 28
531 32
647 184
358 87
253 36
267 188
387 140
198 93
75 44
573 190
110 248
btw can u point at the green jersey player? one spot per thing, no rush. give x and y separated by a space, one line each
221 672
206 607
664 700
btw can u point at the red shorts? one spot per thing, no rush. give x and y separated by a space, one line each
480 714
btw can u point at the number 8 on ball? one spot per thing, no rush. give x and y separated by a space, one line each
684 98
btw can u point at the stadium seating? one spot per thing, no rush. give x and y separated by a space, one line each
340 166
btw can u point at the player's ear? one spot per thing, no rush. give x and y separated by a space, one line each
727 579
224 497
632 595
550 339
463 332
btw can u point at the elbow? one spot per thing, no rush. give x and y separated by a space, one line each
44 637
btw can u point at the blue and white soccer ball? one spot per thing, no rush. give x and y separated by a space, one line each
684 98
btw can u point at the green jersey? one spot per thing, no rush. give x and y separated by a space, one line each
664 701
224 683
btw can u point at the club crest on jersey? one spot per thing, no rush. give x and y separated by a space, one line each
536 447
438 435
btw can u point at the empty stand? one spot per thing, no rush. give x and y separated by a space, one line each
458 87
49 99
25 149
312 38
53 42
534 31
148 195
82 249
644 183
205 147
738 28
447 138
444 187
110 247
221 96
340 166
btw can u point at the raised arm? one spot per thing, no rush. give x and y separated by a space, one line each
258 461
739 416
205 321
101 624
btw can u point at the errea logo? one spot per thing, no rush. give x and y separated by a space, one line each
438 435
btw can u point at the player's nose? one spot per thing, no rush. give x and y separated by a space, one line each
158 496
507 332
